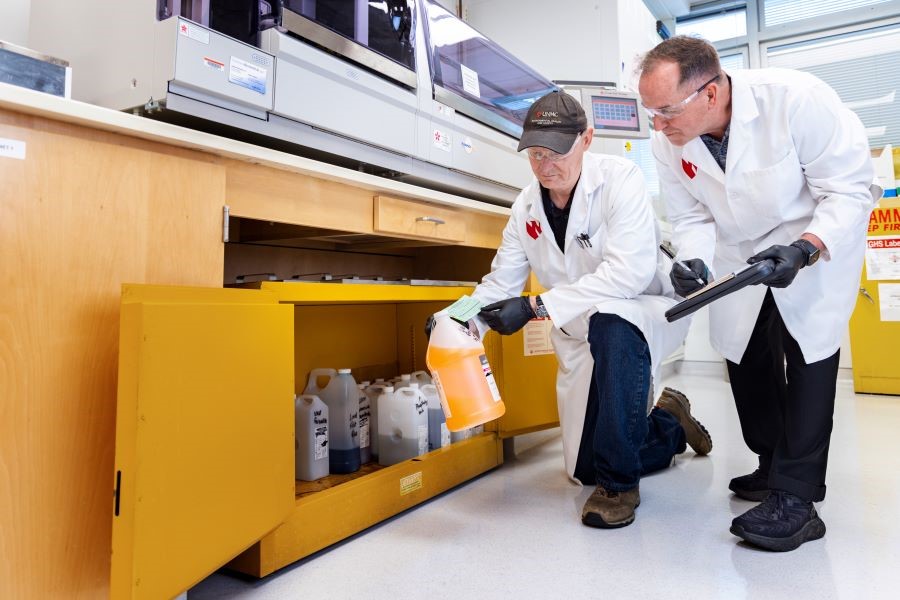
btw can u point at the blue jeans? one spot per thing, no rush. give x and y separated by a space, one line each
620 442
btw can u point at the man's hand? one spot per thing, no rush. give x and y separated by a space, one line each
508 316
685 280
788 262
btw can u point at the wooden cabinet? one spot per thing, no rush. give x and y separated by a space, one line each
152 423
418 220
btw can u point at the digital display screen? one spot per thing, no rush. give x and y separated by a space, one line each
612 113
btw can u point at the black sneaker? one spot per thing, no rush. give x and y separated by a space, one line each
754 486
781 523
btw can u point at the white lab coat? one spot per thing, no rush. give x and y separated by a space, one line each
621 273
798 161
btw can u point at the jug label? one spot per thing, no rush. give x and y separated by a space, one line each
364 434
489 375
445 435
321 442
442 395
422 430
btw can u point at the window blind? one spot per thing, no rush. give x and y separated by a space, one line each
863 68
778 12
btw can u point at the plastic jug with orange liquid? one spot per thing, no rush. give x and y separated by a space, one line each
460 371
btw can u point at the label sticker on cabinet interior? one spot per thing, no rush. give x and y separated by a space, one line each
410 483
248 75
536 337
194 32
12 148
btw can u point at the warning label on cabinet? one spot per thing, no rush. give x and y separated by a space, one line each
536 338
410 483
883 257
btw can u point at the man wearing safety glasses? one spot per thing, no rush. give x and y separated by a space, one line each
754 165
585 227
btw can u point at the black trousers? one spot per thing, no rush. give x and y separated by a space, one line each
785 412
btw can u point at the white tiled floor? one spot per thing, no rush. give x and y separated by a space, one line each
516 532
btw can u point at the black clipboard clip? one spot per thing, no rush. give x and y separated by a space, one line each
749 275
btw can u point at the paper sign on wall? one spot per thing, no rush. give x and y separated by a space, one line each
889 301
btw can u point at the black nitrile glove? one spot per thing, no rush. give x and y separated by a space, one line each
685 281
788 262
508 316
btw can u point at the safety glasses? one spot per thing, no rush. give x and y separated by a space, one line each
540 155
672 111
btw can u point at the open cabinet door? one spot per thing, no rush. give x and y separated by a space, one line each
526 374
204 433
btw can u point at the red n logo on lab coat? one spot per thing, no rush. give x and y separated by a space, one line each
690 169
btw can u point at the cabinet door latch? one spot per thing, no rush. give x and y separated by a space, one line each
225 216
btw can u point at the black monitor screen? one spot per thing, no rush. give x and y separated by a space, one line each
613 113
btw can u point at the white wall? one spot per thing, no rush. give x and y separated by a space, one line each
14 20
565 39
451 5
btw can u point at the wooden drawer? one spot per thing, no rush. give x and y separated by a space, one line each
419 220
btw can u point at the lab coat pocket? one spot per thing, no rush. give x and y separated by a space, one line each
768 194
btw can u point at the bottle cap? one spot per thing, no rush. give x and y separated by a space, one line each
343 371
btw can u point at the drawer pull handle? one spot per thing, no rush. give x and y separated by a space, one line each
434 220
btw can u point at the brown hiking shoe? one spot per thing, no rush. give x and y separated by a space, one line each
609 510
677 404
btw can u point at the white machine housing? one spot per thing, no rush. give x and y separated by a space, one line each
612 113
297 89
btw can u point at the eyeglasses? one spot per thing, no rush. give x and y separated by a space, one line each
670 112
538 155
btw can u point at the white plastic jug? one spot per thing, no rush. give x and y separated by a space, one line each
420 377
402 425
311 438
402 381
462 375
373 392
341 395
365 430
438 434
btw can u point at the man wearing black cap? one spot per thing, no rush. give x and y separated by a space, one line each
585 227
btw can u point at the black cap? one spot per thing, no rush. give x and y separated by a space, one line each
553 122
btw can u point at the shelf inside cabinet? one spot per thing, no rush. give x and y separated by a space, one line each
363 293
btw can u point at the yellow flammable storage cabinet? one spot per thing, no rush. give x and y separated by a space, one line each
875 324
205 428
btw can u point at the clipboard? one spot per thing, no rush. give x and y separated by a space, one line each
749 275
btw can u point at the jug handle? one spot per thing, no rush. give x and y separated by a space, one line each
308 398
312 384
